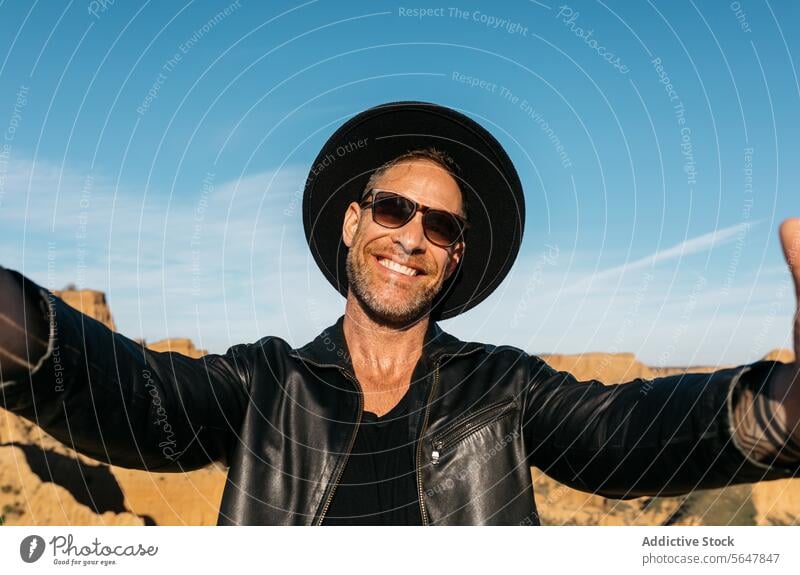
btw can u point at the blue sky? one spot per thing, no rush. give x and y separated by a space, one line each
156 151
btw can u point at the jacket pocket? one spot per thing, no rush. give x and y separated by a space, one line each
463 427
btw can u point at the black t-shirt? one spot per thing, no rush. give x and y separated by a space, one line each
378 486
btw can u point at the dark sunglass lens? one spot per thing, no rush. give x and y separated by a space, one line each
441 228
392 210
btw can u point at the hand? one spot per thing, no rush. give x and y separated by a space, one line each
787 384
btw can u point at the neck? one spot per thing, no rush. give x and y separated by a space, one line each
381 348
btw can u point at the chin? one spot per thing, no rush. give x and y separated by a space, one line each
390 307
397 318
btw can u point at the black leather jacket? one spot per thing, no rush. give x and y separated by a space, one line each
277 417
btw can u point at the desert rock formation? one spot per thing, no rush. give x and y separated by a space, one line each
91 302
181 345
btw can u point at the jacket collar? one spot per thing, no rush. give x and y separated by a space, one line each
329 348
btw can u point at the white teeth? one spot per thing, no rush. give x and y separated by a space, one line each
397 267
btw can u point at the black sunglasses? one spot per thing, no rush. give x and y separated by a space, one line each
392 210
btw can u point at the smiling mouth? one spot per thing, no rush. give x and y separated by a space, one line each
396 267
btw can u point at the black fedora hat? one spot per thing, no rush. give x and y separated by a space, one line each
486 176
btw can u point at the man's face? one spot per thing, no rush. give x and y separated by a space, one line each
399 296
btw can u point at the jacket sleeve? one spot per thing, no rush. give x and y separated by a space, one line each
109 397
659 437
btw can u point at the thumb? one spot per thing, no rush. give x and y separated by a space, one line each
790 242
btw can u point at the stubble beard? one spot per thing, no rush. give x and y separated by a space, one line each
400 313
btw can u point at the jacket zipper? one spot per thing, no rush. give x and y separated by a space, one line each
350 447
422 510
461 429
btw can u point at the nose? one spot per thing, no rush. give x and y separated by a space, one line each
411 236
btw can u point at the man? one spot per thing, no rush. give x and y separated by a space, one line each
384 418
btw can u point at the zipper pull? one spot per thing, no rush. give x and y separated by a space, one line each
437 446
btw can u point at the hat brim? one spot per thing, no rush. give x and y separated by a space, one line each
487 178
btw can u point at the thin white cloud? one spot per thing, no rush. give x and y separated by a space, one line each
688 247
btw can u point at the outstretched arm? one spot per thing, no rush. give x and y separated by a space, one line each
666 436
109 397
670 435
